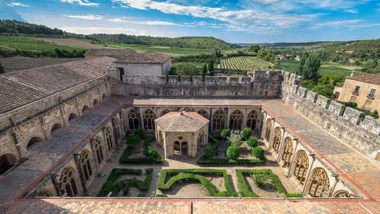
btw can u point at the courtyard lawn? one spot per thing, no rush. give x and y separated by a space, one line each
163 49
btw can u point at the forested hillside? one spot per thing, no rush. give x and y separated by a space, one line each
181 42
13 27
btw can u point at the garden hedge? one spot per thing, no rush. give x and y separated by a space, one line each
197 175
151 155
115 188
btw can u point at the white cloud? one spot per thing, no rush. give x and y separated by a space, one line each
17 4
239 19
148 22
85 17
339 23
81 2
94 30
353 11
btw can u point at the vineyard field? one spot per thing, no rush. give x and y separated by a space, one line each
245 63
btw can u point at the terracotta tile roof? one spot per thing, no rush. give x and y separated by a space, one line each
21 87
372 78
144 58
110 52
177 122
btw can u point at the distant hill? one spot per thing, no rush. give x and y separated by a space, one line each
14 27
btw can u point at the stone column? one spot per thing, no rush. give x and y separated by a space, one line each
139 115
293 158
280 150
62 115
77 105
308 174
336 176
211 121
56 183
81 173
17 143
226 123
263 127
94 156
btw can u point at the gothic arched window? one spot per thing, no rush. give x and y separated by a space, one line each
236 120
251 120
107 133
320 183
277 139
218 120
148 119
133 120
301 167
203 113
288 152
98 149
67 182
84 161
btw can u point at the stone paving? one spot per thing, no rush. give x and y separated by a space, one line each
168 206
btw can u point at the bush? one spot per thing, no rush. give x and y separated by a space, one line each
233 152
252 141
209 152
258 152
203 160
259 180
235 140
140 133
141 195
246 133
293 195
132 140
225 133
151 155
161 196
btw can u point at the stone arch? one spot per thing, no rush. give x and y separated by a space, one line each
85 164
252 119
319 183
200 140
218 120
67 182
55 127
96 102
236 120
268 129
117 127
133 120
7 161
341 194
72 116
85 108
108 136
33 141
98 149
203 113
164 112
104 96
45 193
301 166
148 119
277 139
287 153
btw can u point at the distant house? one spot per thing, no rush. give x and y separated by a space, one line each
130 62
282 58
362 90
298 58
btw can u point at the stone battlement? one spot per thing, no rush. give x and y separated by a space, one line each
350 125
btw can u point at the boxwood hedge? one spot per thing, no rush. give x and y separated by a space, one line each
151 155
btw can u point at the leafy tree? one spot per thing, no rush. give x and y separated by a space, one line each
204 72
211 65
258 152
254 48
184 69
309 67
252 141
235 140
1 69
209 153
325 90
309 84
233 152
246 133
225 133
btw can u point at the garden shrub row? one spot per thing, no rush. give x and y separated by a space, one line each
115 188
197 175
151 155
260 176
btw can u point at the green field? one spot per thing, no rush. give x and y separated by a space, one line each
245 63
28 44
162 49
292 66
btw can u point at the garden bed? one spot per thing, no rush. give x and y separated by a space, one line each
115 185
253 183
149 156
203 176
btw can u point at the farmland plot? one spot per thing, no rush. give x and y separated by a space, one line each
245 63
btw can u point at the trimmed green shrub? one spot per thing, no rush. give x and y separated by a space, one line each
243 187
258 152
235 140
141 195
203 160
246 133
252 141
259 180
293 195
161 196
233 152
115 188
140 133
152 156
209 152
225 133
196 175
132 140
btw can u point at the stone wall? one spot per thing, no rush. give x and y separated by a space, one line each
350 125
264 84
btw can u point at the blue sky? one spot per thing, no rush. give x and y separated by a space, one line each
235 21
